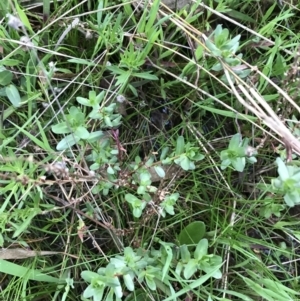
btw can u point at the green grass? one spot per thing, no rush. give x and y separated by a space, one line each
185 91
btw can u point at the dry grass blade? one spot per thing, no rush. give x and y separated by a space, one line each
266 114
18 253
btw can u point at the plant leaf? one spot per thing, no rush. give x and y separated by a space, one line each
84 101
146 75
179 146
23 17
192 233
19 253
128 282
201 249
168 260
31 274
61 128
22 227
13 95
235 141
5 77
81 62
190 269
195 284
160 171
82 132
67 142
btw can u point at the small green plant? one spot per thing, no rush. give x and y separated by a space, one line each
133 58
237 153
106 153
22 202
137 205
147 188
288 183
130 62
167 205
221 46
200 260
185 156
74 126
76 120
152 268
270 208
145 192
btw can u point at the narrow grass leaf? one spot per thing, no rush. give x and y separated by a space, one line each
168 260
22 227
152 16
228 113
239 15
19 253
10 62
146 75
81 62
99 13
38 142
13 269
45 141
23 17
265 293
278 288
195 284
239 295
129 12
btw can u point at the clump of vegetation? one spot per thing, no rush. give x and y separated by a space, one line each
149 153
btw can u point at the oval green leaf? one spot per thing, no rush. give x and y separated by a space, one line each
13 95
5 77
179 145
185 163
160 171
61 128
93 137
82 132
110 170
67 142
84 101
192 233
